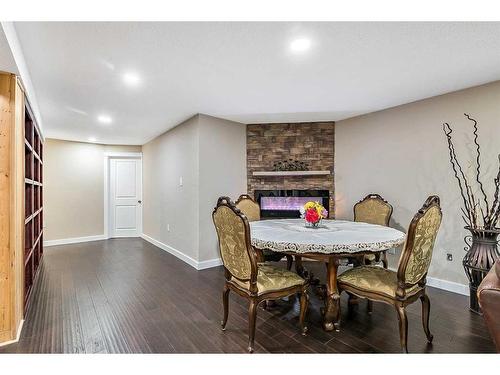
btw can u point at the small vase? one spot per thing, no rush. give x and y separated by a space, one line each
313 225
482 252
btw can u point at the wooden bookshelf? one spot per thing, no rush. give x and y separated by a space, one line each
33 194
12 205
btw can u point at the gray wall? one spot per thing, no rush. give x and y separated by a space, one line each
166 159
402 154
222 172
210 155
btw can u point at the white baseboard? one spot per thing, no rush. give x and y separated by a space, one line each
19 329
204 264
66 241
449 286
178 254
192 262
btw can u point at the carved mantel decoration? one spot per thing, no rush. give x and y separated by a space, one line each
290 165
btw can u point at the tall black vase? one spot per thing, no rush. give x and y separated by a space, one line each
482 252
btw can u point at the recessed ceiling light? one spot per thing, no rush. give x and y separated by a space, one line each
92 139
104 119
131 79
300 45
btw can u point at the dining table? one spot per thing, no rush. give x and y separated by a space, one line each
329 242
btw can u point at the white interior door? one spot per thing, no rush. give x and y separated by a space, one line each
125 203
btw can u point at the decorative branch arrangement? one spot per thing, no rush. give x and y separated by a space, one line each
290 165
477 212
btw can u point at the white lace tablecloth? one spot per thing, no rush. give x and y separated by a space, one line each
334 236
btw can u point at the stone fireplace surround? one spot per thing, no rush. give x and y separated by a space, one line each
311 142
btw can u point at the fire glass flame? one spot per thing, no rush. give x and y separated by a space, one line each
286 203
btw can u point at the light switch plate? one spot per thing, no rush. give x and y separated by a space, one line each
180 181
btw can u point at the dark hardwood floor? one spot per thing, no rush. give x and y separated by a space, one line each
127 296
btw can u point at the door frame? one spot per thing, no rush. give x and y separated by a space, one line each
107 157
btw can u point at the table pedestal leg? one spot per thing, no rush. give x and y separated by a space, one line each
331 313
304 273
299 268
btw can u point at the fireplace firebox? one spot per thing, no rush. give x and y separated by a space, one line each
286 203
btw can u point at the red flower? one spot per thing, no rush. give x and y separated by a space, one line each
312 215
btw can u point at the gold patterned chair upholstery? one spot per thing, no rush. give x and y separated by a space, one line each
251 210
405 286
249 207
244 275
373 209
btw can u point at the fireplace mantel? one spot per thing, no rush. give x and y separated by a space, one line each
289 173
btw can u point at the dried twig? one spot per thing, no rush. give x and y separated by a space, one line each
456 168
494 214
478 164
466 218
490 215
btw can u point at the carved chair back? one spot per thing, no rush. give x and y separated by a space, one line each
249 207
373 209
238 256
417 252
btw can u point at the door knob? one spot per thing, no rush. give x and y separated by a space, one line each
139 202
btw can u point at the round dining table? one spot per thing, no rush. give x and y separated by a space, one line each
331 241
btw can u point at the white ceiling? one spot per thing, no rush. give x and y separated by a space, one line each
7 62
243 71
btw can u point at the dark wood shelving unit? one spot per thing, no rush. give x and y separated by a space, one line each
33 188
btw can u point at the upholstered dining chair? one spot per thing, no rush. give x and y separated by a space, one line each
405 286
251 210
373 209
244 275
249 207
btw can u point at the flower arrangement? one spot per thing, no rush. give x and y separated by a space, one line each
312 213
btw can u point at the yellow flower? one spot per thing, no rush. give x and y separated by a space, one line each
310 205
317 206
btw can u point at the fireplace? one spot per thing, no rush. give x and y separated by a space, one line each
286 203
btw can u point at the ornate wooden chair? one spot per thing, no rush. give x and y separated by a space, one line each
244 275
248 207
373 209
251 210
405 286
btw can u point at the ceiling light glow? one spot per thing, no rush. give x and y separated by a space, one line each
104 119
300 45
131 79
